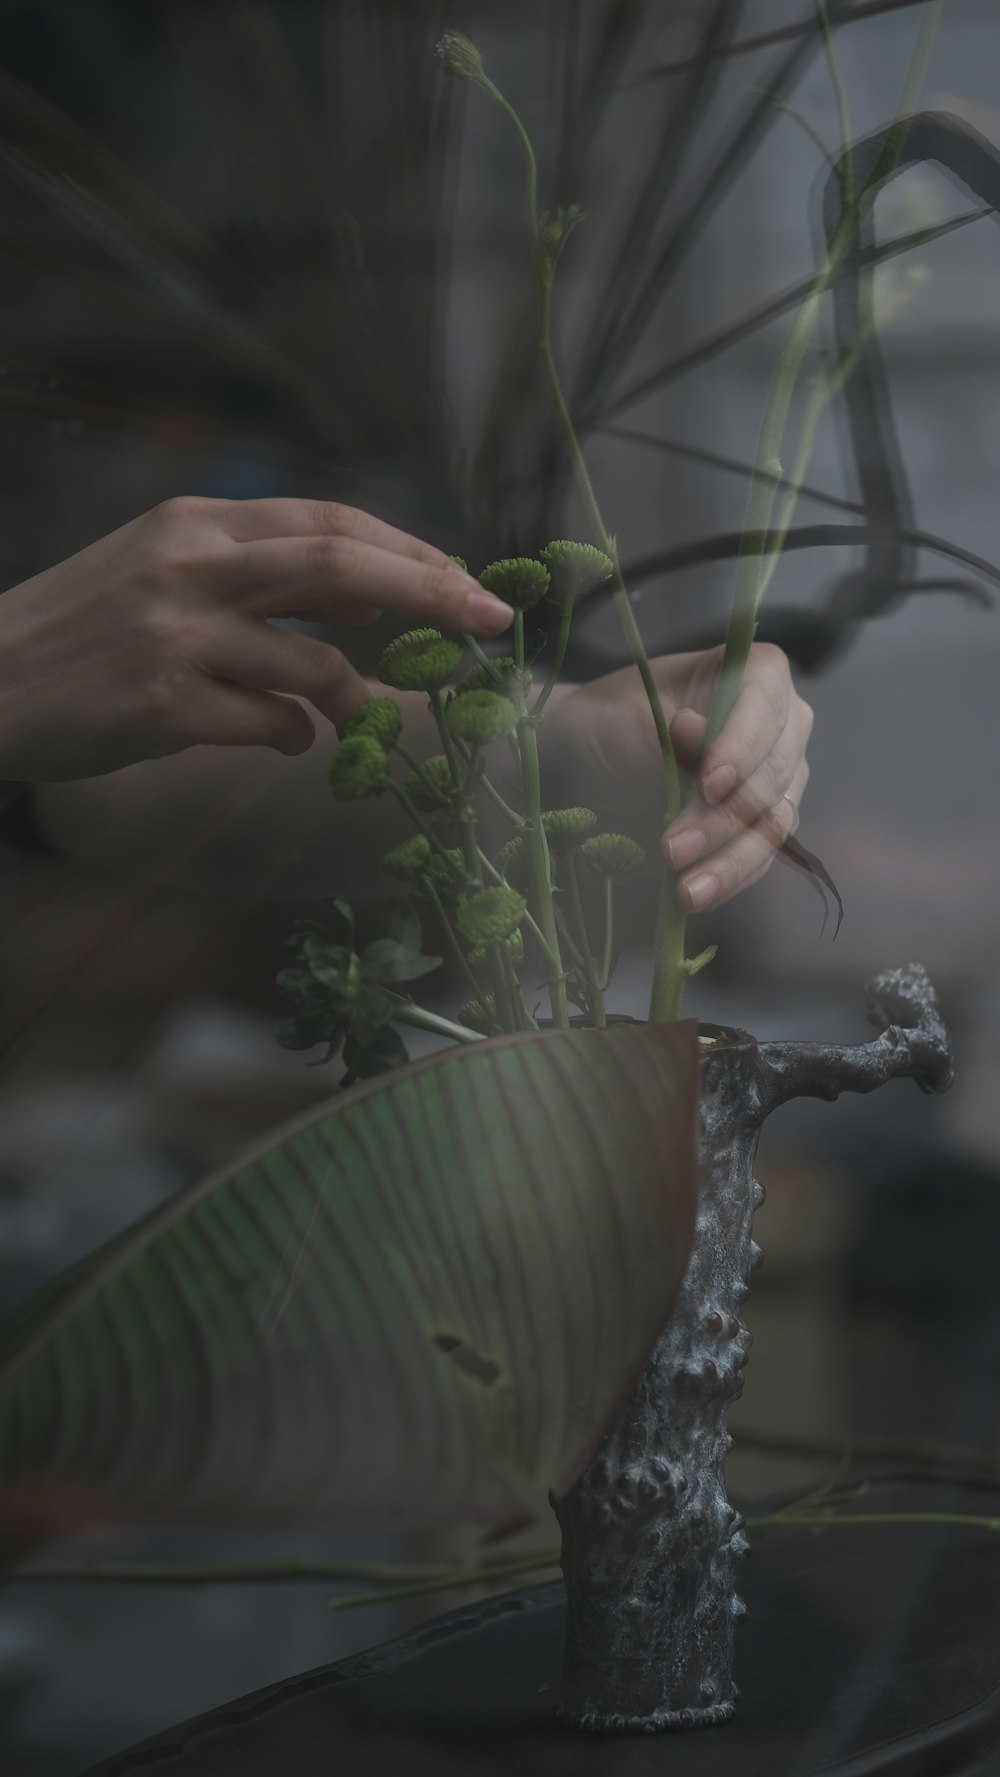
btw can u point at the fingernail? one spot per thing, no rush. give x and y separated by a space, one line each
486 612
702 889
718 783
686 847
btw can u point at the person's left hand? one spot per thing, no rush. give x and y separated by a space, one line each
748 788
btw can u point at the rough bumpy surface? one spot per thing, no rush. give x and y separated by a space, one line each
650 1543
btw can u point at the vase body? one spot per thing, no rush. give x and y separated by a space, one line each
650 1543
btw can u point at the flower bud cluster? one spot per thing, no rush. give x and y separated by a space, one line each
481 716
420 660
359 768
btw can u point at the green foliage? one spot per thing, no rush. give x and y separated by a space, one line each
273 1343
519 580
345 998
420 660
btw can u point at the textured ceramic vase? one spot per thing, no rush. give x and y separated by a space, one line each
650 1543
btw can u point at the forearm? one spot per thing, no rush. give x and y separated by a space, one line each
235 821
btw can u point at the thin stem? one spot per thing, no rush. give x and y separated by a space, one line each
664 990
465 814
668 973
417 818
420 1019
840 98
457 954
495 797
595 985
609 933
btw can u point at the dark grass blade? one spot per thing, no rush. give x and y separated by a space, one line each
864 9
682 117
653 281
793 852
417 1305
973 163
756 319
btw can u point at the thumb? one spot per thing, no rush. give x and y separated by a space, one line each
687 732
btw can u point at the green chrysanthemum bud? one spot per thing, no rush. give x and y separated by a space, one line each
460 562
491 915
446 870
430 787
479 1015
576 567
504 678
459 56
481 716
510 858
420 660
514 946
381 717
567 827
409 859
359 769
614 855
518 580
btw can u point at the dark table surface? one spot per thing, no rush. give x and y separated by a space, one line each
869 1649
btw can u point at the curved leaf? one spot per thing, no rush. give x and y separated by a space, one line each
416 1305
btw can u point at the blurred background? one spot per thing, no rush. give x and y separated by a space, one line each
264 247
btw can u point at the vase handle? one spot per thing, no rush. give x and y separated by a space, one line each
914 1043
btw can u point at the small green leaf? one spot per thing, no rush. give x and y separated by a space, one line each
342 925
373 1010
396 919
386 961
328 963
385 1050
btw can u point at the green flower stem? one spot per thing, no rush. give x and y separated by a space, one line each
448 931
609 933
482 659
594 983
517 820
668 975
465 814
417 818
758 541
521 1013
536 844
420 1019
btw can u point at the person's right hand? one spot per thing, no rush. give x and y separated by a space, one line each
156 638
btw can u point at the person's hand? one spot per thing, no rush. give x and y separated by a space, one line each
747 789
156 639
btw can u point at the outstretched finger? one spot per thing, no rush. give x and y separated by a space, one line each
265 658
323 575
